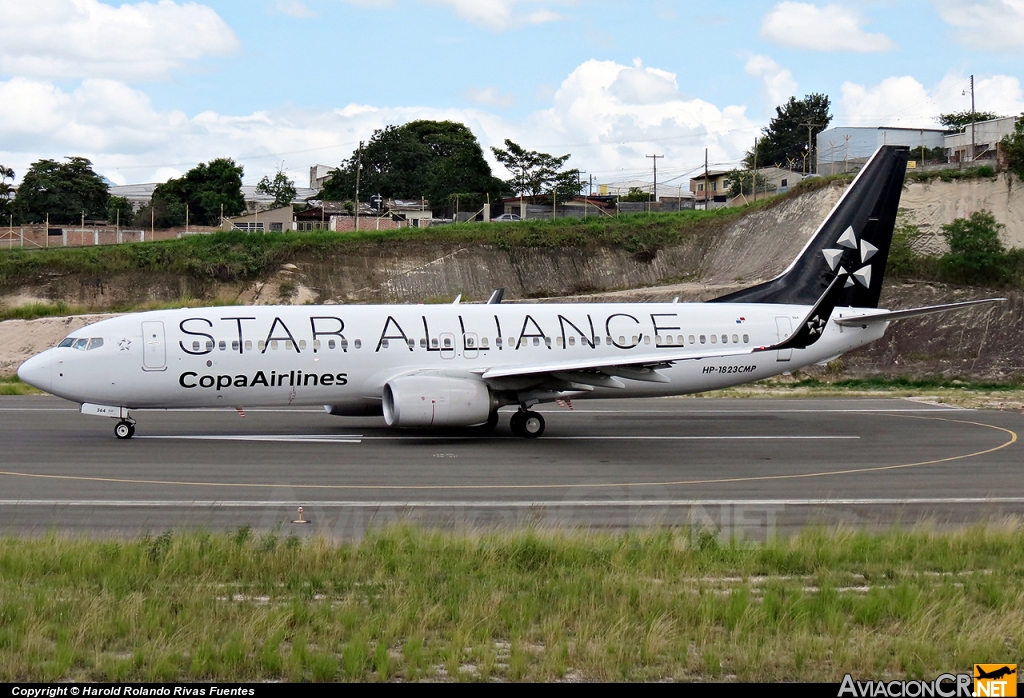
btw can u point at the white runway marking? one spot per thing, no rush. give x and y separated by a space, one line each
357 438
511 504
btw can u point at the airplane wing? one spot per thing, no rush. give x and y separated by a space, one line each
890 315
644 366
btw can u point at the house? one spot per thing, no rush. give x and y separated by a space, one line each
275 221
985 137
319 174
714 186
847 148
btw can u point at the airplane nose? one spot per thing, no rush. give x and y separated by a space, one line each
36 372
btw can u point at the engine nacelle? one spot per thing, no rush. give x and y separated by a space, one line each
436 401
355 409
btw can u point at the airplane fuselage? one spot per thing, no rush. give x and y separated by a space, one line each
344 355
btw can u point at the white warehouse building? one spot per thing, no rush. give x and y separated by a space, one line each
847 148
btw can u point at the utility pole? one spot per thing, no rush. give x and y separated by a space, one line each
755 172
706 180
810 146
655 158
359 167
579 190
972 118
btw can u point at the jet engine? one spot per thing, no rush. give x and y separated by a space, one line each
437 401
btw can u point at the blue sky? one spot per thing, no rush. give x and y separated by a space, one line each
146 90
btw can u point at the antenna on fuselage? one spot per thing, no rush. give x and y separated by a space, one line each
496 296
458 299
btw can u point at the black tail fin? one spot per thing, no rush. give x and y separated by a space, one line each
855 236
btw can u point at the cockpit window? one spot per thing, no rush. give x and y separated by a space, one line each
81 343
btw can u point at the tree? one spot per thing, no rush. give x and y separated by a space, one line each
1013 146
975 252
64 191
786 136
742 182
6 190
437 160
957 122
204 190
533 173
636 194
281 188
119 209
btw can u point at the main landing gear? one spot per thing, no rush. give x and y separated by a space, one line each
125 429
527 424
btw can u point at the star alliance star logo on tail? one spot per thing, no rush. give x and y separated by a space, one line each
815 325
849 240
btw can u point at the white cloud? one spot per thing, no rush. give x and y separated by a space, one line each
903 101
829 28
986 24
490 97
607 114
64 39
497 15
778 84
295 8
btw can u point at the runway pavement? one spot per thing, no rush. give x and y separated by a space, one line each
750 467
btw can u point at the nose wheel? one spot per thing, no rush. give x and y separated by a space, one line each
124 430
527 424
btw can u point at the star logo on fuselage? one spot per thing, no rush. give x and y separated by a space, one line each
848 241
125 344
815 325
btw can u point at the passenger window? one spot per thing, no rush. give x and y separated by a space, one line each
483 342
223 345
668 339
536 341
680 340
288 344
209 345
735 339
609 339
497 341
423 344
558 341
248 345
412 343
634 340
469 342
195 346
273 345
234 345
316 345
572 341
746 339
433 343
725 339
714 339
302 344
647 339
511 342
703 339
547 341
343 343
262 345
597 341
330 344
622 340
358 344
385 344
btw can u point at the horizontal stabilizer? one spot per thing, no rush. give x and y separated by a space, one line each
890 315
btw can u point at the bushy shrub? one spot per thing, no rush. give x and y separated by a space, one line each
976 255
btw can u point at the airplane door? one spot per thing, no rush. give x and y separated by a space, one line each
154 350
785 326
472 342
447 345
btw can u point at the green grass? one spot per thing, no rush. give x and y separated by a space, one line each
236 256
406 604
12 385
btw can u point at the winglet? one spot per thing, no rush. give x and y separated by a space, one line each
813 326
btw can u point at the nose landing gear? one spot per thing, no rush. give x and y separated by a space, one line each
125 429
527 424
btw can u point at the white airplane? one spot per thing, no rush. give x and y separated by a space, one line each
456 365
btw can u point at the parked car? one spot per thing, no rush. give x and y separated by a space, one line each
506 217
